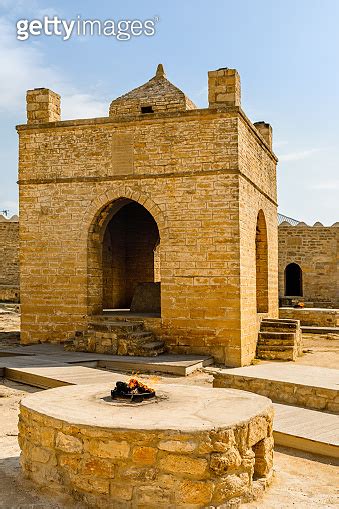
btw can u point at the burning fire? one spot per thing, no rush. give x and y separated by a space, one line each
135 386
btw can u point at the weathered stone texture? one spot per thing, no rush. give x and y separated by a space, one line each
153 469
282 392
43 105
202 174
9 259
317 317
157 95
316 250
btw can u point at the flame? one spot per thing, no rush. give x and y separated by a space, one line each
135 384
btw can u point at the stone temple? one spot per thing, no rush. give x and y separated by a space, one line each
160 208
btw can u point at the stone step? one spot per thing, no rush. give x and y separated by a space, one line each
284 337
152 348
276 342
279 320
141 336
271 353
279 339
116 326
307 386
276 326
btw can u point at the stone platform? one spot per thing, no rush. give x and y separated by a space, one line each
306 430
20 362
190 447
308 386
290 385
312 317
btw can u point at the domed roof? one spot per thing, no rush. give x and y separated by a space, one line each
155 96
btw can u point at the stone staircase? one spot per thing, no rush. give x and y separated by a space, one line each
279 339
115 336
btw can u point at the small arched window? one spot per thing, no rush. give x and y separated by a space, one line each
293 280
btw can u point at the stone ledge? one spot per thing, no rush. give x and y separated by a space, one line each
290 391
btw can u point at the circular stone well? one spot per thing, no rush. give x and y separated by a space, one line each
191 447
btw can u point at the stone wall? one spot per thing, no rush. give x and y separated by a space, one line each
190 170
317 317
290 393
316 250
9 259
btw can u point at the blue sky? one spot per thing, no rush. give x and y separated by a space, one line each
286 52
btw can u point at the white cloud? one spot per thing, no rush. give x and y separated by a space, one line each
82 106
297 156
23 66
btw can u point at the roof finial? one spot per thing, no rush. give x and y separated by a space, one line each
160 72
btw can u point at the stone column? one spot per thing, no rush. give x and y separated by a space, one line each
266 132
43 105
224 88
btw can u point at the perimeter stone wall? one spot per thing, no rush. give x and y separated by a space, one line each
316 250
9 259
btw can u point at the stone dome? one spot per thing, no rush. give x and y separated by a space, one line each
156 96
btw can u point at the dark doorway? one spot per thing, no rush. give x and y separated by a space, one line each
293 280
129 242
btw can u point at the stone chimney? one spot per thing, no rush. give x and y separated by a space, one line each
43 105
223 88
266 132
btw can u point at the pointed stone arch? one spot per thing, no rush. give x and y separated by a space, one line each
99 215
261 258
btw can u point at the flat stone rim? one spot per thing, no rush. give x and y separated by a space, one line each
186 408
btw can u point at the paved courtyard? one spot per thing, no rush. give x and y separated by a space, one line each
302 480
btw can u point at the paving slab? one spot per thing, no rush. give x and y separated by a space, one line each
181 365
306 430
290 373
48 377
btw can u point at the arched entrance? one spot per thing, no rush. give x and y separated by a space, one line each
122 242
261 257
293 280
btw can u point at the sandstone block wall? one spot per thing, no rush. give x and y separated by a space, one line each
9 259
43 105
317 317
316 250
202 174
153 469
317 398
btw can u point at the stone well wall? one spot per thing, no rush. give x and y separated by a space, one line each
148 468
